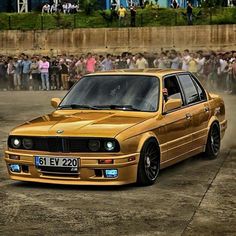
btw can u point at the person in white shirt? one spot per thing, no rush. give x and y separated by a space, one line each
64 7
46 8
186 58
53 8
141 62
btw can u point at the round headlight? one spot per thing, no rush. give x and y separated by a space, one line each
94 145
15 142
109 145
27 143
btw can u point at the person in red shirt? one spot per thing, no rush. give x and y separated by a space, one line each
90 63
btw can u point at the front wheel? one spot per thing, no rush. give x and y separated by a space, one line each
213 142
149 163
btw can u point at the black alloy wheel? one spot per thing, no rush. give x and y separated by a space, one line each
213 142
149 163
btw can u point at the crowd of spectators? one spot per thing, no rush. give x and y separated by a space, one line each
216 71
65 7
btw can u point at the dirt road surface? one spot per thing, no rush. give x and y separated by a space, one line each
194 197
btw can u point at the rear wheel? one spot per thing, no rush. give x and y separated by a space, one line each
213 142
149 163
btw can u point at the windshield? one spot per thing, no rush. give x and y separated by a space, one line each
124 92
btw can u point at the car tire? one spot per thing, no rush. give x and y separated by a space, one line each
149 163
213 142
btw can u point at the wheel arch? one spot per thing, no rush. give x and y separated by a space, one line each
213 120
148 137
210 123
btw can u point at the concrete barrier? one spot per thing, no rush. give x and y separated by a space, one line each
102 40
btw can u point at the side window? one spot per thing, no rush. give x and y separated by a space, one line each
200 90
190 90
173 88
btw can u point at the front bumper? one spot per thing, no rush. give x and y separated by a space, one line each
87 172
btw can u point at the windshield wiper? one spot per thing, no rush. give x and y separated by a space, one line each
119 107
79 106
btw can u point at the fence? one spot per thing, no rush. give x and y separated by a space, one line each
145 17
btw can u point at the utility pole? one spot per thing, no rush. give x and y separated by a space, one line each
22 6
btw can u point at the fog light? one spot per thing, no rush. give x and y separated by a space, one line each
131 159
107 161
14 157
113 173
15 168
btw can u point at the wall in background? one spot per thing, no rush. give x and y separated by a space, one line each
146 39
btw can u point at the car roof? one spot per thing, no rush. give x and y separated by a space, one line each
148 71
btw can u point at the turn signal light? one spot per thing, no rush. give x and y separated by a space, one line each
106 161
131 159
14 157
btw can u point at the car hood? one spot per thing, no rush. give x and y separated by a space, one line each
82 123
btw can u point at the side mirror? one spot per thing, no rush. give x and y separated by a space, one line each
172 104
55 102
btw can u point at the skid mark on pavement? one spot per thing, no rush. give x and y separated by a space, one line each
205 193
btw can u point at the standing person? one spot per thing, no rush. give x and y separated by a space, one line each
141 62
81 66
55 73
193 63
25 72
122 13
64 74
190 13
107 63
175 60
132 15
234 73
229 78
130 61
174 4
44 70
17 73
34 71
212 77
10 73
200 65
90 63
162 61
222 71
3 72
185 60
121 62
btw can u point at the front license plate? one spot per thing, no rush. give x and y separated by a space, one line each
56 162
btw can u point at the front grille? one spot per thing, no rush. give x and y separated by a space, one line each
63 144
61 172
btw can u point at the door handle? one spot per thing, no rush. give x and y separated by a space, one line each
188 116
206 109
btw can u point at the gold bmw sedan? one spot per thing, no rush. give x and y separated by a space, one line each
118 127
